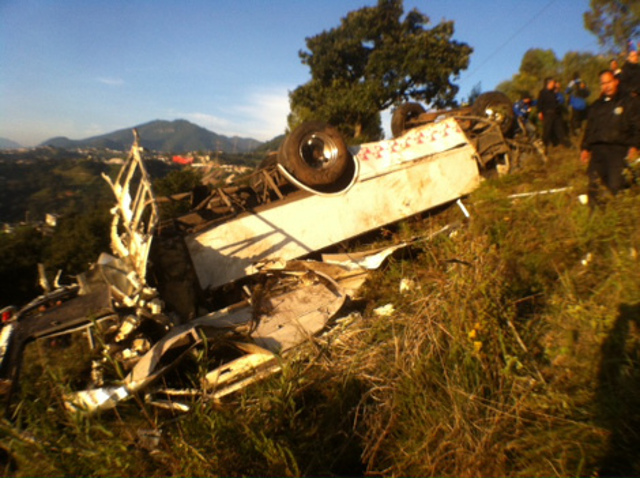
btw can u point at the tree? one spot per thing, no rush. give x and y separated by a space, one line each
179 181
374 59
538 64
20 252
614 22
475 92
587 65
78 240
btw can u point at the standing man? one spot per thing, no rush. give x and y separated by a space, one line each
615 68
630 75
612 135
578 94
549 114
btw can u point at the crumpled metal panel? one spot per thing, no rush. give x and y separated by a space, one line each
135 215
301 225
290 318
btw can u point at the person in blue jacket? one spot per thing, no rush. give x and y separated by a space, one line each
522 109
578 93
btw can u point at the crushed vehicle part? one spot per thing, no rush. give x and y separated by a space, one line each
492 105
176 285
490 125
285 319
428 167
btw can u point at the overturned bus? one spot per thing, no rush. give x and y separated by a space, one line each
227 276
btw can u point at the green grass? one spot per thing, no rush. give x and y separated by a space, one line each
516 353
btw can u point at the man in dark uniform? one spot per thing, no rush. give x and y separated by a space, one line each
630 75
550 113
612 135
615 68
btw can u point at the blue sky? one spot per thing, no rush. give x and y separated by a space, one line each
81 68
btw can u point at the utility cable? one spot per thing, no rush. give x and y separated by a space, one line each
508 40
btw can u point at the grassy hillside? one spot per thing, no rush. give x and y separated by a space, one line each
516 352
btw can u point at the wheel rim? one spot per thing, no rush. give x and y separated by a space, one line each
319 151
497 113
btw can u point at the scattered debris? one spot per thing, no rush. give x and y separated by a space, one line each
407 285
385 311
149 439
463 208
541 193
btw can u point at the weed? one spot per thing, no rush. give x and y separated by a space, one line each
514 352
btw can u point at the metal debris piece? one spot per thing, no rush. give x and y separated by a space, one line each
293 317
385 311
407 285
149 438
464 210
540 193
369 260
96 399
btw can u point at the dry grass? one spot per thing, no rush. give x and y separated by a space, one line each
516 353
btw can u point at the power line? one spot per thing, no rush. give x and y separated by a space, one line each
508 40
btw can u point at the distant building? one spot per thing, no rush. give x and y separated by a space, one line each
182 160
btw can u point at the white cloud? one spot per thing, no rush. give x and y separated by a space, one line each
266 112
261 114
208 121
111 81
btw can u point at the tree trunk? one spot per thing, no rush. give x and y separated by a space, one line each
357 130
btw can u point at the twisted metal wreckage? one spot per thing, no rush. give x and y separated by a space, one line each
227 278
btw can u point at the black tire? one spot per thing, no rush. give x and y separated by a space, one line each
402 114
496 106
315 154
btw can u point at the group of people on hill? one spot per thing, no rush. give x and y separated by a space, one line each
612 134
562 113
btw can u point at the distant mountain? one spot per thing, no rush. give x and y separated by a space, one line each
8 144
179 136
271 145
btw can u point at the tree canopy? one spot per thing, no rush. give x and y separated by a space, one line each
374 59
614 22
537 64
